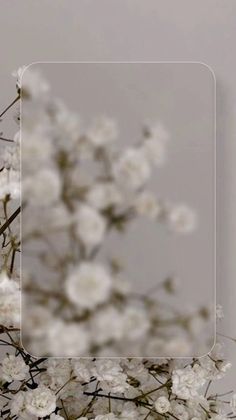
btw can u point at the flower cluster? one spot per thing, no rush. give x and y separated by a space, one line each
73 315
78 188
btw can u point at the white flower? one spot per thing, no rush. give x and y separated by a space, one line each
40 402
9 301
233 403
102 132
106 325
182 219
13 368
132 169
155 151
90 226
18 407
186 382
88 285
82 369
9 183
109 416
43 189
135 322
162 405
103 195
66 339
146 204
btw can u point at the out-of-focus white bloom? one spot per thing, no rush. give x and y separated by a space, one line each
106 325
18 407
182 219
90 226
71 339
13 368
103 195
155 151
219 312
102 132
233 403
36 150
135 322
162 405
109 416
31 82
179 410
177 347
67 127
132 169
40 402
186 382
43 189
9 183
146 204
88 285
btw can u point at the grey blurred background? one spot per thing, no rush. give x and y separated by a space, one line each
133 30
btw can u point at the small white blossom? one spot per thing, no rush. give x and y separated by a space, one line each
186 382
88 285
103 195
132 169
40 402
43 189
9 183
90 226
69 339
13 368
102 132
182 219
146 204
162 405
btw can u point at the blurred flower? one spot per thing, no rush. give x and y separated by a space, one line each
88 285
182 219
90 225
131 169
102 132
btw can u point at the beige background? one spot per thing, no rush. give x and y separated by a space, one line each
163 30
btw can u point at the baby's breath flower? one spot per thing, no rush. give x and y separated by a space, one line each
88 285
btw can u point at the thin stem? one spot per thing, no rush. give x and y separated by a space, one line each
9 106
